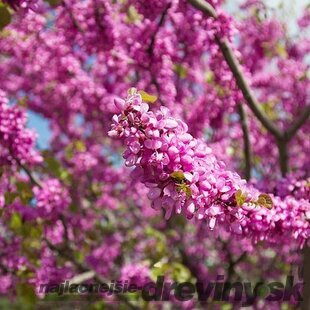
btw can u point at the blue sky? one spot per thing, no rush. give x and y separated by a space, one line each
41 126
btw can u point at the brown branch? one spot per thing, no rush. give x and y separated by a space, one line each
64 224
97 16
235 68
290 133
282 137
232 263
245 88
283 156
246 141
204 7
159 25
28 172
4 268
150 49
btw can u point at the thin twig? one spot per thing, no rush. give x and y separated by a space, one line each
150 48
97 16
28 172
74 20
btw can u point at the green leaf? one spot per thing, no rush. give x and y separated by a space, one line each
221 91
80 146
52 163
132 15
16 222
5 16
79 256
9 197
158 251
265 201
29 245
240 197
269 109
177 271
178 176
180 70
35 232
186 189
146 97
26 293
24 192
132 91
22 102
209 77
281 51
75 146
55 168
53 3
180 272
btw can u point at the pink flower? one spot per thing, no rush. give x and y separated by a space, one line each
184 176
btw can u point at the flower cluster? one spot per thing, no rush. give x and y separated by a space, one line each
137 274
183 175
16 141
51 198
105 254
49 272
294 185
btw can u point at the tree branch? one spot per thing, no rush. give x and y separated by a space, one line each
160 23
290 133
27 171
246 141
245 88
204 7
74 20
283 156
150 48
235 68
282 137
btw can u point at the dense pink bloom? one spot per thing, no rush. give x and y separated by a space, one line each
16 141
103 257
51 199
135 273
183 176
69 206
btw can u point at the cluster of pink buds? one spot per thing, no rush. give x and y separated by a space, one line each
183 176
